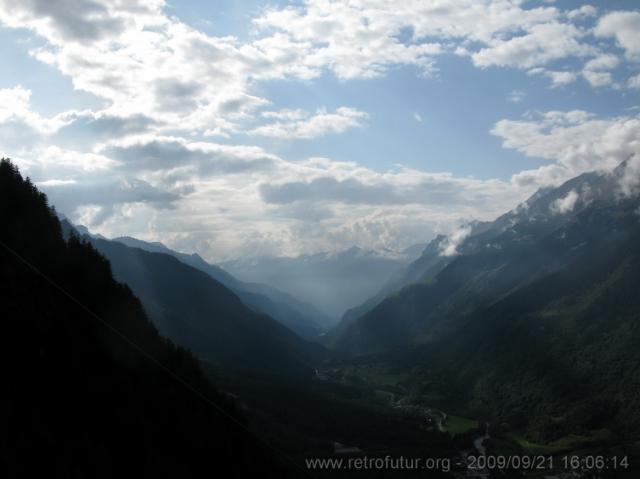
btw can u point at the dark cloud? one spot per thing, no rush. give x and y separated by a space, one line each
89 128
352 191
175 95
17 132
169 153
87 20
107 194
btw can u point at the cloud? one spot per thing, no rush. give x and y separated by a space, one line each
298 124
319 204
72 21
634 82
542 44
584 11
142 62
565 204
86 128
624 27
78 180
596 70
629 180
107 192
574 141
449 247
145 163
417 117
598 79
402 187
558 78
157 153
19 125
516 96
364 39
605 61
353 40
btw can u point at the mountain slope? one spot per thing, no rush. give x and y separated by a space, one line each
538 209
332 282
535 323
564 346
429 262
495 260
302 318
79 400
199 313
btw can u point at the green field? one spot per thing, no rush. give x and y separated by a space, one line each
535 448
375 375
455 425
564 444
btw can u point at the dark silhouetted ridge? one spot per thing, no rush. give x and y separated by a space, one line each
77 400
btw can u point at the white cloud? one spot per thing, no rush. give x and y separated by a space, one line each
14 101
541 44
624 27
176 162
405 186
634 82
417 117
630 176
367 37
364 39
561 77
565 204
19 124
584 11
143 165
596 70
352 39
64 21
286 114
597 78
195 194
293 124
574 141
449 247
605 61
143 62
558 78
516 96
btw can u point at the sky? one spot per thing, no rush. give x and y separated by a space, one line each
239 129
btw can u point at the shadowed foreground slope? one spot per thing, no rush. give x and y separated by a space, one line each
79 400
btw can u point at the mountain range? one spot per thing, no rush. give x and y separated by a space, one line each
331 281
529 322
200 313
532 318
302 318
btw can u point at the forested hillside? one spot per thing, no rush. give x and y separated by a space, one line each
90 388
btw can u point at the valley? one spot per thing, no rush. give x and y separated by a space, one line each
521 345
298 239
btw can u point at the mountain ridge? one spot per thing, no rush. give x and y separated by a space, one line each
331 281
300 317
200 313
532 309
79 398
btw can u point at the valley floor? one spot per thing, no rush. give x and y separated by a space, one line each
368 411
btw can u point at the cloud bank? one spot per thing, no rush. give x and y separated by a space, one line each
173 154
